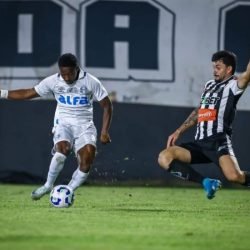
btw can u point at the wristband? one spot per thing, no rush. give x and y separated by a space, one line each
4 93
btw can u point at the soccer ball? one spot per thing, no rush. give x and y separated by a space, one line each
62 196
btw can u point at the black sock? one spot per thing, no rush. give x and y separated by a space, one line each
247 178
185 171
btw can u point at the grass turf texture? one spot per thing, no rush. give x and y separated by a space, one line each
139 218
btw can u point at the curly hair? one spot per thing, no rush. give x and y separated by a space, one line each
68 60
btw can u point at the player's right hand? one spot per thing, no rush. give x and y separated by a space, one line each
173 138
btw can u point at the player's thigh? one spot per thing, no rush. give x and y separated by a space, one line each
230 168
63 139
176 153
85 135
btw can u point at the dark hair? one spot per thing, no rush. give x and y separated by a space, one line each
67 60
227 57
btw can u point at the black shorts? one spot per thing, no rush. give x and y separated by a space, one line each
210 149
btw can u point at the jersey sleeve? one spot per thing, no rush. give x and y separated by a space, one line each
97 88
43 88
235 88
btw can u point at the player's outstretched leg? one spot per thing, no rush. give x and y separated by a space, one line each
55 168
211 186
40 192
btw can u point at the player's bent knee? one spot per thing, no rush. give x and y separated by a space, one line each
86 162
165 158
60 158
63 147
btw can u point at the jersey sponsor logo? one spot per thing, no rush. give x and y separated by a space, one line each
209 100
59 89
207 115
73 100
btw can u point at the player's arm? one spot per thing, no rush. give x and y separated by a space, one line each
106 121
244 78
188 123
19 94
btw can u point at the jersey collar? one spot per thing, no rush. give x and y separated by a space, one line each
226 80
82 74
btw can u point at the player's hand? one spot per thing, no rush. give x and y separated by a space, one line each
105 138
173 138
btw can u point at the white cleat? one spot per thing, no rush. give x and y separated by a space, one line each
40 192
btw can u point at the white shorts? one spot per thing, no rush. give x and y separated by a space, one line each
77 135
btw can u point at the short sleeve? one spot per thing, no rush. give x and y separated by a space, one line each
96 87
44 87
235 88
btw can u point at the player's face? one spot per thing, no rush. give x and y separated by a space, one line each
221 71
69 74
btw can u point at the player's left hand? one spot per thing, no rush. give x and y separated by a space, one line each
173 138
105 138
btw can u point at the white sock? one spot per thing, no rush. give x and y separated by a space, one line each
78 178
56 165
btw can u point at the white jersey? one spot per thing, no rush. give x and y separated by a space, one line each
74 101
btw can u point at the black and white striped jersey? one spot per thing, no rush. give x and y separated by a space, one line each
217 108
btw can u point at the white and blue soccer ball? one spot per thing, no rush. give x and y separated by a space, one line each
62 196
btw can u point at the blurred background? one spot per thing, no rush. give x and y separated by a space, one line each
153 57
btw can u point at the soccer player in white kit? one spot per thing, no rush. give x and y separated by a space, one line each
74 90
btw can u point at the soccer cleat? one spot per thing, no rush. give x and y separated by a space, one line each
40 192
211 186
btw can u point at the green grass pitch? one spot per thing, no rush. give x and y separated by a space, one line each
126 218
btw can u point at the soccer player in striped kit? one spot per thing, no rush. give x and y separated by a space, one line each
213 119
74 130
